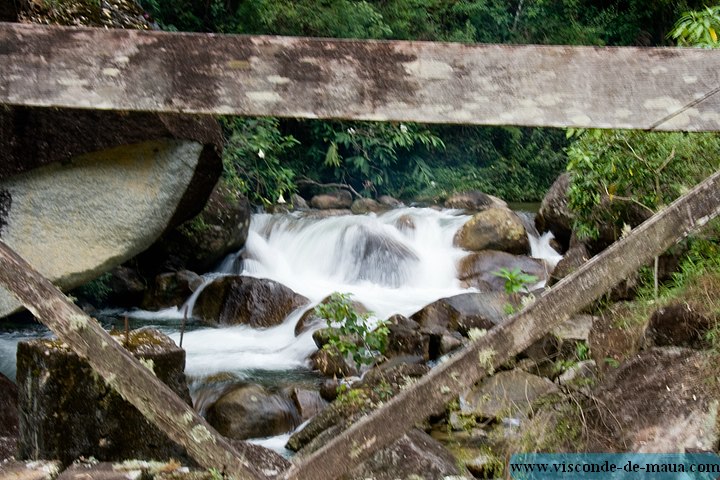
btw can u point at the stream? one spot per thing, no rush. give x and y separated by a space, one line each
396 262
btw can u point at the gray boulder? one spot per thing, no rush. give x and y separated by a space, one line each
332 201
256 302
67 411
478 269
554 214
463 312
83 191
474 201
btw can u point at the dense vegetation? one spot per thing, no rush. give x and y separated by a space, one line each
267 157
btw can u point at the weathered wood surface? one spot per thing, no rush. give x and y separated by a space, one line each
642 88
554 306
136 383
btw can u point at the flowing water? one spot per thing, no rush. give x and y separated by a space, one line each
392 263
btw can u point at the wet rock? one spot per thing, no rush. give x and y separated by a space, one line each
362 206
40 470
477 270
405 223
659 401
554 214
249 301
405 338
679 325
463 312
251 411
474 201
67 411
171 289
331 363
389 201
378 257
126 286
414 456
332 201
329 389
298 202
8 418
308 402
506 394
450 343
201 243
494 228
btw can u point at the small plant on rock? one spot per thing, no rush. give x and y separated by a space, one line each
352 334
515 280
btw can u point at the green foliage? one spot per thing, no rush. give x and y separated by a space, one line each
215 474
515 280
615 170
698 28
96 291
351 334
251 158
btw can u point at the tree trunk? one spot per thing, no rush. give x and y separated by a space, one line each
134 382
479 360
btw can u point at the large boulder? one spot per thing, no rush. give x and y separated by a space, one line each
362 206
256 302
494 228
108 185
463 312
67 411
201 243
554 214
478 269
341 199
8 417
659 401
251 411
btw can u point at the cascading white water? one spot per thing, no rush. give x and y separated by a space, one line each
392 263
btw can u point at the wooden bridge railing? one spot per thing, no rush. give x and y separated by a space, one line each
639 88
662 89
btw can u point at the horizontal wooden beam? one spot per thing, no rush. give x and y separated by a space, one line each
558 86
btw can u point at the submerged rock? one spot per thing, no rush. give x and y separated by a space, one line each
251 411
494 228
255 302
67 411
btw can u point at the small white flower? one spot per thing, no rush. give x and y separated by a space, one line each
351 131
403 128
281 199
432 183
261 154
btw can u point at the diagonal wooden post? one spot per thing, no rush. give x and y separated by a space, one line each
479 359
136 383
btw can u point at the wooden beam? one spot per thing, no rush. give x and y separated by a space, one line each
135 382
556 86
554 306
